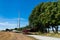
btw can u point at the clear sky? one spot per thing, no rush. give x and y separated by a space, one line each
9 10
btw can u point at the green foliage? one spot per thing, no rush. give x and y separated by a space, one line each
46 14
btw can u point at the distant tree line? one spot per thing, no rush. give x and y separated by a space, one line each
18 29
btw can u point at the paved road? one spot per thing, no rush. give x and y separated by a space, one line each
44 37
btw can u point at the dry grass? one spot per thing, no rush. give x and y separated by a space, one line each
47 34
53 35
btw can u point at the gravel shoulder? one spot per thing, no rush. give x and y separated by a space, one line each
43 37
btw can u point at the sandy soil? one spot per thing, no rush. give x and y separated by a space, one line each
13 36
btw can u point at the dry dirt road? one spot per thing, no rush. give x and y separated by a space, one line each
13 36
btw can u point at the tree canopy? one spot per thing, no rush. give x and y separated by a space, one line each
45 15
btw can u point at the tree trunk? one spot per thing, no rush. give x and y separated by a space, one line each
48 30
56 28
52 28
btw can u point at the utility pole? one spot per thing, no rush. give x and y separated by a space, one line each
19 20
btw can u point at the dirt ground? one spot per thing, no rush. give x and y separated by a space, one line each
13 36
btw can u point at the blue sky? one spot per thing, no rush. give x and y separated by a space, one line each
9 10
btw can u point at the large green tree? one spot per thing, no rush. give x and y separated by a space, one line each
46 15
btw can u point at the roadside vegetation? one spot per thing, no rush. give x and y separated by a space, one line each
44 16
